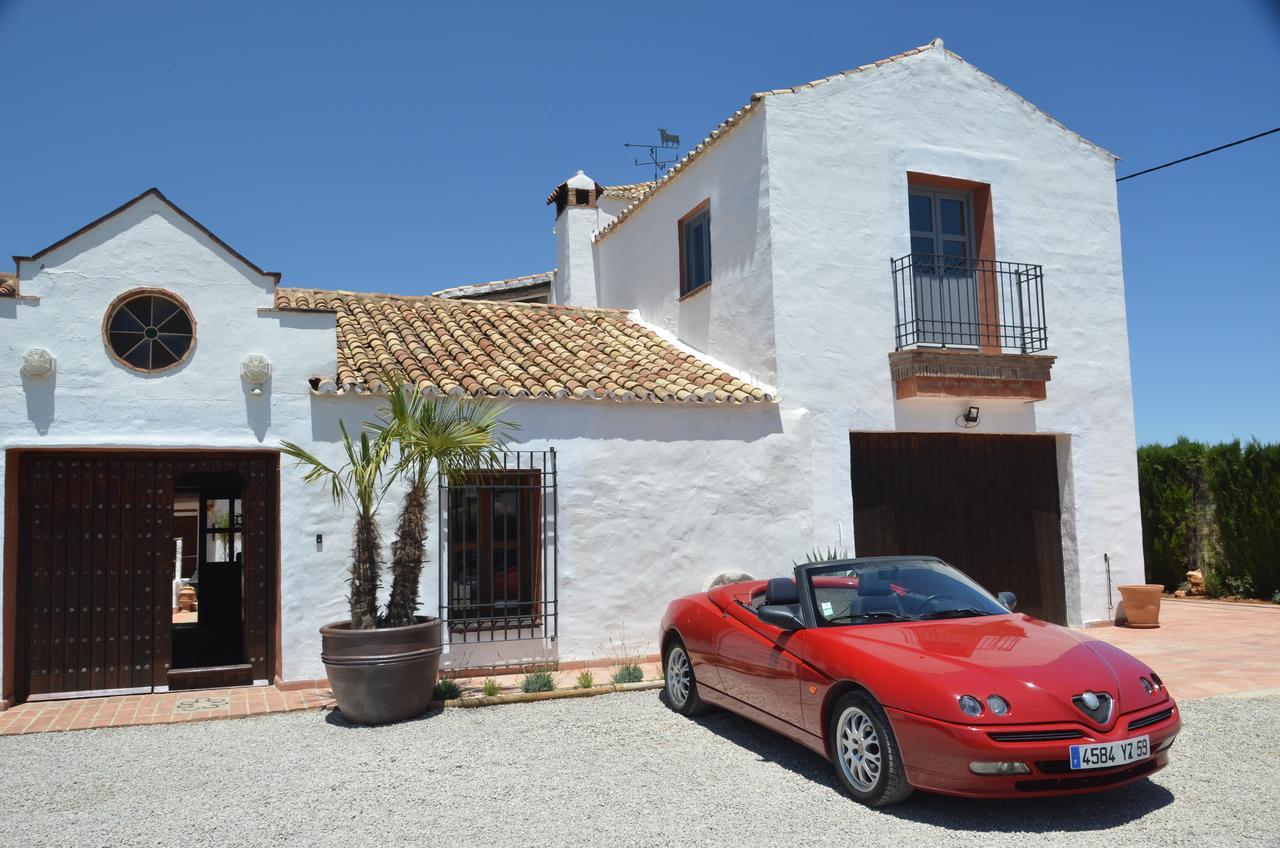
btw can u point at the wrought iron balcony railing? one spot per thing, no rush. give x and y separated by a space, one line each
949 301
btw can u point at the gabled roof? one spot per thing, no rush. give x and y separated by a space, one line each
740 116
495 286
151 192
486 348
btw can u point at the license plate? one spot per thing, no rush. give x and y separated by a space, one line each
1109 754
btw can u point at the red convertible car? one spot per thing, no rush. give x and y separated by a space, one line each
908 675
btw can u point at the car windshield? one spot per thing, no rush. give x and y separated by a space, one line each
896 590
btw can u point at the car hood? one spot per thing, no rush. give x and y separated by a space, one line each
1037 667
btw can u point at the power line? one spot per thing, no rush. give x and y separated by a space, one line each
1196 155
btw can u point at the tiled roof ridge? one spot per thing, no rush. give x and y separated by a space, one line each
283 293
630 190
738 117
539 277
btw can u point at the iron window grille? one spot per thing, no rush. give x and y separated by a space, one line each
953 301
499 575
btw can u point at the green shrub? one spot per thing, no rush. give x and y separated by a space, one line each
538 681
447 690
491 687
585 680
628 673
1216 508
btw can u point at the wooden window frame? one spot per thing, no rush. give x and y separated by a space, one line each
528 484
703 208
982 239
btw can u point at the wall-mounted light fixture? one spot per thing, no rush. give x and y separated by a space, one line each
38 364
256 370
968 418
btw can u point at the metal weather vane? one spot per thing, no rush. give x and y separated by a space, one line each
666 142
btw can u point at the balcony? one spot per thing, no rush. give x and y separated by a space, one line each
971 328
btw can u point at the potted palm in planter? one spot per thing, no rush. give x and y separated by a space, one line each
383 667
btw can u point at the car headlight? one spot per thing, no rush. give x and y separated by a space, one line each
998 706
1147 685
970 706
1155 678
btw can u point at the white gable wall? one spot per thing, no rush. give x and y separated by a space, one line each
639 262
839 155
93 402
806 301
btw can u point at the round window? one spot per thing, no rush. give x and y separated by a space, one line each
149 331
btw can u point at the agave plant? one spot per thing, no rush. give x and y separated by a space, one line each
828 554
432 436
361 482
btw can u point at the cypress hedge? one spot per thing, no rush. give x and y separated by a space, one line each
1216 508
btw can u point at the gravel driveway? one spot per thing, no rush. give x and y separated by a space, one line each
613 770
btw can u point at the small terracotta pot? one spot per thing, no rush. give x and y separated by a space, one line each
383 675
1141 604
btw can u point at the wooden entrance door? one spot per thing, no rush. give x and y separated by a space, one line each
986 504
96 563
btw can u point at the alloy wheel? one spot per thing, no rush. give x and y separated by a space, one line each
858 745
679 676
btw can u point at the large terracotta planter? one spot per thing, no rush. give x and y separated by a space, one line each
384 675
1141 604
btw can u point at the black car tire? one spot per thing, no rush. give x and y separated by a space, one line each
690 704
887 782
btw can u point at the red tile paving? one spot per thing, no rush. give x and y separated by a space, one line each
1201 649
1205 648
164 708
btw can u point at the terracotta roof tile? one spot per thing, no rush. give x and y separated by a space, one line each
629 191
502 349
472 289
8 284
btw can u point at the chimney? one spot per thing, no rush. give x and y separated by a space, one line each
576 219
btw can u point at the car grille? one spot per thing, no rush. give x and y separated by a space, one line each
1154 718
1035 735
1083 781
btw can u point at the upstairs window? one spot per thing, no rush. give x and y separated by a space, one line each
695 248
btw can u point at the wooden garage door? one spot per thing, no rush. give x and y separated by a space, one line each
986 504
96 564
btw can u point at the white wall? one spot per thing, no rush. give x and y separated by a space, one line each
648 493
94 402
638 263
830 206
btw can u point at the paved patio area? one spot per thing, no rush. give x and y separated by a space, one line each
1202 648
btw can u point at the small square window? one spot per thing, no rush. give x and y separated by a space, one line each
695 249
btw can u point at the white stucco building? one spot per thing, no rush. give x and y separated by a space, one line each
833 324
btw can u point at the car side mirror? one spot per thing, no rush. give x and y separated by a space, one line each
1009 599
780 617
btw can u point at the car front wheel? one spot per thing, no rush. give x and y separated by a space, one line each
865 751
681 686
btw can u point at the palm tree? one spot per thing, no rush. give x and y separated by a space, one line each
363 482
444 436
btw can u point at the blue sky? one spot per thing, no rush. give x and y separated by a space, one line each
408 147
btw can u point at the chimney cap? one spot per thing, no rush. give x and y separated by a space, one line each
578 190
